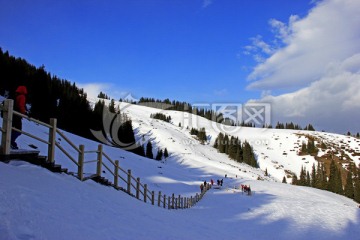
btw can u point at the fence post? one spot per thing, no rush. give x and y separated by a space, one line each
159 198
176 203
129 182
145 192
164 200
81 162
99 160
152 198
173 200
191 201
116 174
138 188
169 202
52 140
179 205
7 126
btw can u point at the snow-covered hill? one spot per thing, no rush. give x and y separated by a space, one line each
277 150
37 204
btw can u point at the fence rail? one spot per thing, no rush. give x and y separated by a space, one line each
121 177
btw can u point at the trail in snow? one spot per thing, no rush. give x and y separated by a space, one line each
37 204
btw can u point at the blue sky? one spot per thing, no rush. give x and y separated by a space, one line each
300 56
189 50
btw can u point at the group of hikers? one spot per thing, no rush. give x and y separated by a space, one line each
246 189
206 186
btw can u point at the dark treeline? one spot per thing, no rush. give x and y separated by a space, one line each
357 135
291 125
52 97
159 155
161 116
103 96
49 96
240 152
318 178
115 126
210 114
310 148
167 104
201 134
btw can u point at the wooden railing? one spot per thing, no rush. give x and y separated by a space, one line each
122 179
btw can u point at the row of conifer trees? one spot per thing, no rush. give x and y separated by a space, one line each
318 178
235 149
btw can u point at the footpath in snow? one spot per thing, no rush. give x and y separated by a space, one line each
38 204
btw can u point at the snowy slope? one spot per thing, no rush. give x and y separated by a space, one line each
276 149
37 204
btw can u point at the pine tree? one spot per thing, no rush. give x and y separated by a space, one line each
302 178
284 180
159 154
357 186
202 135
335 183
139 150
304 148
248 155
349 186
266 172
166 154
220 143
311 149
308 179
226 143
239 153
295 180
332 176
149 152
338 182
232 150
112 106
324 180
313 177
309 128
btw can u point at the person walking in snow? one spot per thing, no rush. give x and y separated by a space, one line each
212 182
19 106
249 190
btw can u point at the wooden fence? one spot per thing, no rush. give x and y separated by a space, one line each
122 179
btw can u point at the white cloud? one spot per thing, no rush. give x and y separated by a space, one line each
332 102
258 49
281 30
328 35
93 90
320 57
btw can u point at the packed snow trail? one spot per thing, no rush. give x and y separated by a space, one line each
38 204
